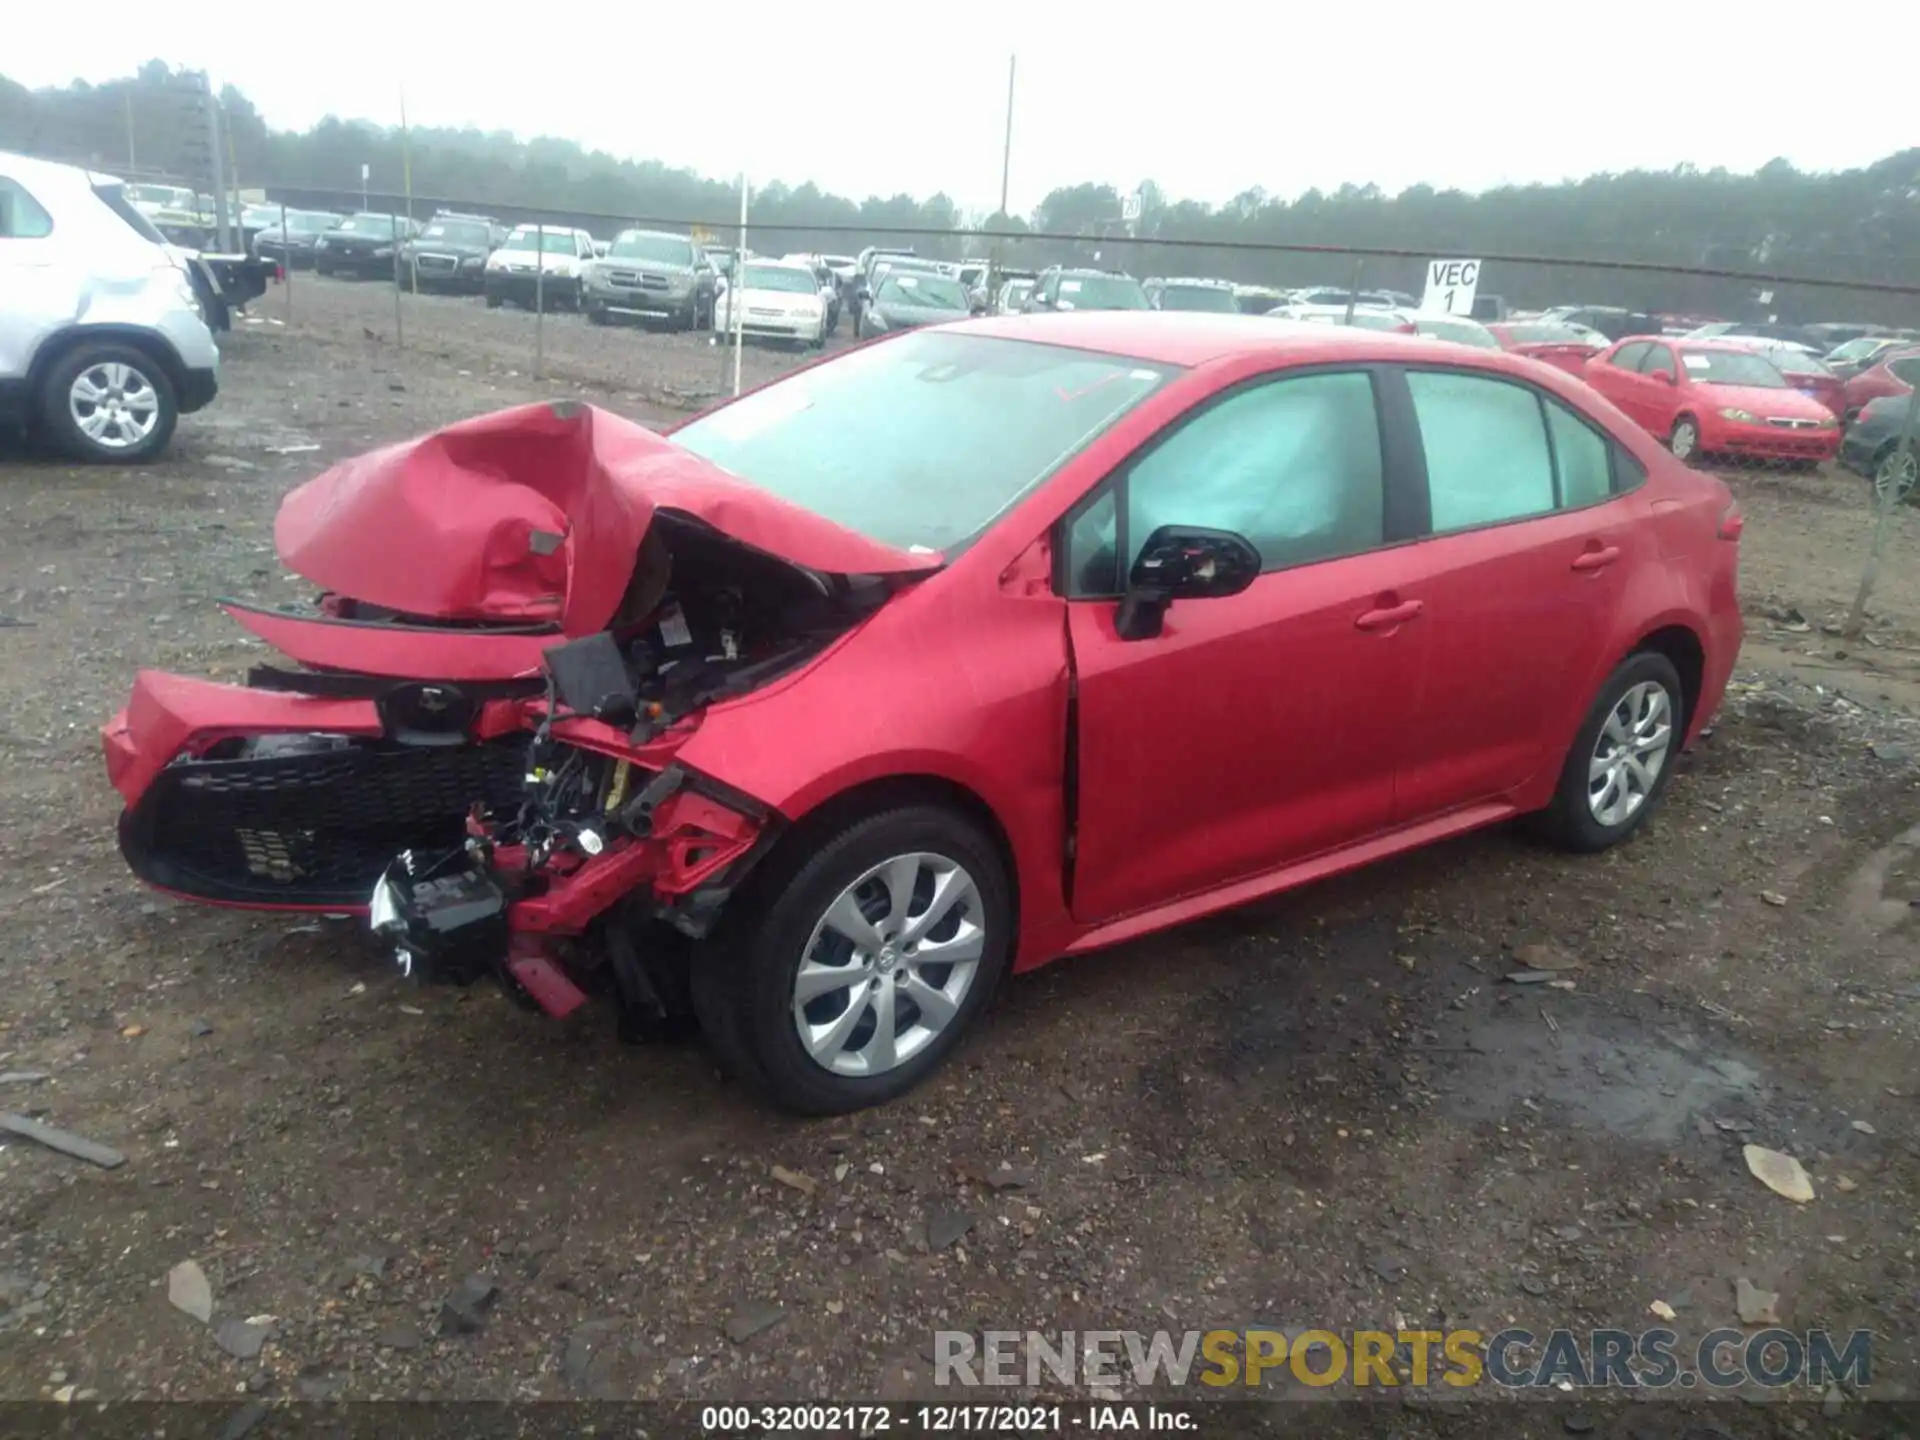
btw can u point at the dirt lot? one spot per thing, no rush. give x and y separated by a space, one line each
1330 1110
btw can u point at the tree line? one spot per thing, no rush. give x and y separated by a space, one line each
1860 225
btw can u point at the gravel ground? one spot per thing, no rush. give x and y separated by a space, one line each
1329 1109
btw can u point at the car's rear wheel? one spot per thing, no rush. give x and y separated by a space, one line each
109 403
1894 474
1684 441
1622 758
853 969
494 299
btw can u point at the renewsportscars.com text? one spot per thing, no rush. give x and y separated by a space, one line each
1514 1359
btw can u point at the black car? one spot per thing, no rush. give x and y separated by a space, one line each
293 245
1871 446
362 245
451 252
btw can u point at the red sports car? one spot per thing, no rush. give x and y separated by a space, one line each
1707 397
967 649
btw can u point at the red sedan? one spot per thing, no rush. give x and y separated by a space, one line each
1895 373
964 650
1707 397
1558 345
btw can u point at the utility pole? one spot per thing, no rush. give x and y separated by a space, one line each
133 163
216 152
1006 169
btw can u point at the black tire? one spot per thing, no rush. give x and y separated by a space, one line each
742 985
597 315
1568 820
320 269
494 300
57 414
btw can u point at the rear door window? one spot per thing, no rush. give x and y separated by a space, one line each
1628 357
1488 460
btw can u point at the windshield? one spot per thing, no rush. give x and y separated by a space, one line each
1458 332
1731 367
1545 335
1015 291
657 249
1792 362
1858 349
1210 298
459 232
369 224
1101 292
867 440
934 292
788 280
311 220
555 242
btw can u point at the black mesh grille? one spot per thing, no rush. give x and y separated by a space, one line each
316 828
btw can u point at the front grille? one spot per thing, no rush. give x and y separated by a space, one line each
1786 424
314 828
437 262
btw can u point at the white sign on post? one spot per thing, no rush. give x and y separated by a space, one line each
1130 208
1450 287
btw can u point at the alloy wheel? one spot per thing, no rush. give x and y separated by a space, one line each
1630 753
113 405
1685 440
1894 476
888 965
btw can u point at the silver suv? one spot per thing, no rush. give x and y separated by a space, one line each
102 344
652 275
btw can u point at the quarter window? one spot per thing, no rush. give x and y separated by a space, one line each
21 216
1486 448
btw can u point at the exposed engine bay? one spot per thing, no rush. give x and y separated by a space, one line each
473 734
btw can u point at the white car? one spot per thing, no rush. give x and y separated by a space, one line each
1365 317
777 302
103 344
1456 328
543 264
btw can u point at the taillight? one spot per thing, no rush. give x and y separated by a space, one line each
1732 522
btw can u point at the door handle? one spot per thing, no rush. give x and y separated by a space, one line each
1389 616
1597 559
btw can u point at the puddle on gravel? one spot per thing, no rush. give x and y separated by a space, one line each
1595 1072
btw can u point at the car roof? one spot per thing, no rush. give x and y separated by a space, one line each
32 172
1191 338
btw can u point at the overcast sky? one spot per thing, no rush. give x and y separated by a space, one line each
1207 98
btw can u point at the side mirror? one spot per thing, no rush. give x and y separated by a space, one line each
1182 562
1665 377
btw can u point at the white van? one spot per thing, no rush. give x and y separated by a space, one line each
102 344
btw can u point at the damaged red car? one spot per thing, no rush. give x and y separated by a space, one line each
973 647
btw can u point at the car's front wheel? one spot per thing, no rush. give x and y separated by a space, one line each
109 403
1622 758
856 966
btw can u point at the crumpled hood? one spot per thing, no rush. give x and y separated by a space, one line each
535 514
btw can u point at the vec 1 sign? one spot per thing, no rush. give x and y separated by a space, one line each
1450 287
